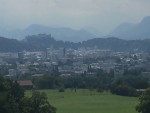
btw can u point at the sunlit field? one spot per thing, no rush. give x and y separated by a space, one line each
85 101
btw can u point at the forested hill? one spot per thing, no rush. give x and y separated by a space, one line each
43 41
11 45
118 44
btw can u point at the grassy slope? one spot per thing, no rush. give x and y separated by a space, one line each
85 101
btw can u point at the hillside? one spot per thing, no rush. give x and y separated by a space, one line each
11 45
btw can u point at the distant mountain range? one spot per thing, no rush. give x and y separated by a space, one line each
129 37
133 31
127 31
42 41
60 33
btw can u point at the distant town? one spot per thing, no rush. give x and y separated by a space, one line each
68 62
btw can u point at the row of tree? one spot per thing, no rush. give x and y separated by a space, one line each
125 85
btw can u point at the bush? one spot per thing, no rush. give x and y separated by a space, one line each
100 90
61 89
123 90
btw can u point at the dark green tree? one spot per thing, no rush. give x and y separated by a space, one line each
13 100
144 105
123 89
37 103
40 104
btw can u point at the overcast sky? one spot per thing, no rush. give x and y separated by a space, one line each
103 15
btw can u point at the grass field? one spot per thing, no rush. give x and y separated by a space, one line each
85 101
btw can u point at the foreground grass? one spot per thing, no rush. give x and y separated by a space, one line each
85 101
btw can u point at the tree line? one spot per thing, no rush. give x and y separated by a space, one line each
125 85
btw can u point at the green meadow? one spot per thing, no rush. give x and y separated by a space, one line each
86 101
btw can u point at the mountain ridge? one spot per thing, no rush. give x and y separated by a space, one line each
60 33
140 30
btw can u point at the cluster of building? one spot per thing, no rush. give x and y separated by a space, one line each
67 62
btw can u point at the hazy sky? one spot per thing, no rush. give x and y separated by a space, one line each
103 15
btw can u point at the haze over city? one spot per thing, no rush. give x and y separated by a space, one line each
74 56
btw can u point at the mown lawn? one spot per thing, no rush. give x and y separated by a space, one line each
85 101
